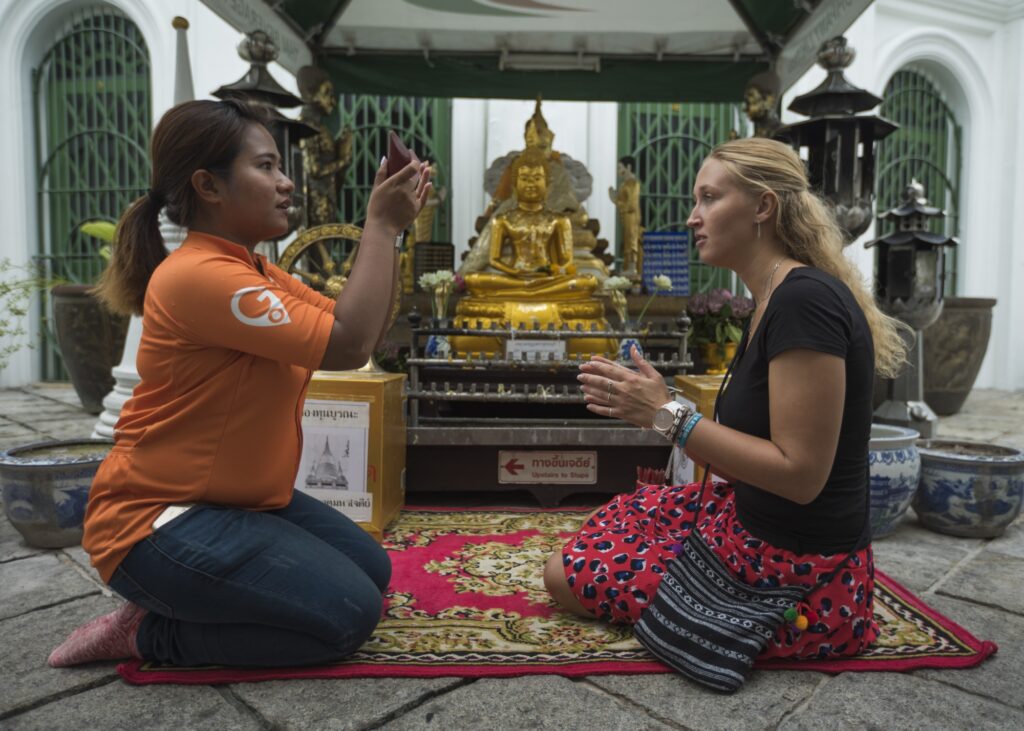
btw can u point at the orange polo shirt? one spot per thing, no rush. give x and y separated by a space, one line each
225 358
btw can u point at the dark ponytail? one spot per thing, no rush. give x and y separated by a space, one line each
195 135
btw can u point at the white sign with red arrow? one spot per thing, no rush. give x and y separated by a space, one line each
547 467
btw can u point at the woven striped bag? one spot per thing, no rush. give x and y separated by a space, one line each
708 625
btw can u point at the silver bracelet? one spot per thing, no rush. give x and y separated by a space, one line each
682 416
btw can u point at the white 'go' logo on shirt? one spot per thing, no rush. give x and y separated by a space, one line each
275 315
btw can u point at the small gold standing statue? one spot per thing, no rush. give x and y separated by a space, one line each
627 201
324 158
760 101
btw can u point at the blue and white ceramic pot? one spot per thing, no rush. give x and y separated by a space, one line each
46 486
969 489
437 347
625 349
895 468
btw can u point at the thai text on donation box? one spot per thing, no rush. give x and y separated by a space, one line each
353 449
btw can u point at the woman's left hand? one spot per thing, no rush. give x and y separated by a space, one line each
611 389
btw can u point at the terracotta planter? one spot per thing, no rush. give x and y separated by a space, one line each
91 340
954 347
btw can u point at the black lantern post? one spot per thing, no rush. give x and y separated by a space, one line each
909 285
840 142
259 87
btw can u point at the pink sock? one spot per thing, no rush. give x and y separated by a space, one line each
110 637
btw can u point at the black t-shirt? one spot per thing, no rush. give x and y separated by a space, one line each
809 310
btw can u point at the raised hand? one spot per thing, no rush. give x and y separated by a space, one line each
395 201
611 389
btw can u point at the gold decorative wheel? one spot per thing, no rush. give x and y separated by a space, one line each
322 256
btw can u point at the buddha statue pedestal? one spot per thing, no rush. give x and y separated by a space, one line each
523 314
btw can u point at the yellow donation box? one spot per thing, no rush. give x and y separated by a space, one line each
699 392
353 451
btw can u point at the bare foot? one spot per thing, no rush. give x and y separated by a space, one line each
110 637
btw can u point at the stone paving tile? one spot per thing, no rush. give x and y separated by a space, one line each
14 394
765 699
14 436
917 557
1001 676
12 545
990 578
68 430
1011 543
48 423
81 558
533 702
37 410
121 706
39 581
60 391
894 701
30 638
334 704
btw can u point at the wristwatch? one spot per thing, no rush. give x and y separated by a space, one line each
670 417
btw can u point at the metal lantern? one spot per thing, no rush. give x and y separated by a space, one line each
910 285
259 87
840 142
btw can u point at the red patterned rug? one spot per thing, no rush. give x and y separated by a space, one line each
467 599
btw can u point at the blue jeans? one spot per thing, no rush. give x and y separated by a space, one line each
298 586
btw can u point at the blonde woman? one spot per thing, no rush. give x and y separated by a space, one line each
791 438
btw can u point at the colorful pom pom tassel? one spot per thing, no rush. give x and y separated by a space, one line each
800 616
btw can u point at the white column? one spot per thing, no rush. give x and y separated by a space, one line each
126 375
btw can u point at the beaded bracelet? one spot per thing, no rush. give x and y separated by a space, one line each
688 427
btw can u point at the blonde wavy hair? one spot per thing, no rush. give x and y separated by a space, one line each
808 230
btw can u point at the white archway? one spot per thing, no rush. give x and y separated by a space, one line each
26 31
985 223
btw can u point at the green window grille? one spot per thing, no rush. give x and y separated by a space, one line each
91 99
669 142
925 147
424 124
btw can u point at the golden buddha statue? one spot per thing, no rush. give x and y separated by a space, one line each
568 183
534 281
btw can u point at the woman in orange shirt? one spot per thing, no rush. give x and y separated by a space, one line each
193 517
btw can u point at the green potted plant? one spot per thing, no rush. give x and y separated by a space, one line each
17 284
716 320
